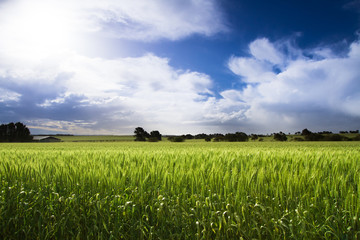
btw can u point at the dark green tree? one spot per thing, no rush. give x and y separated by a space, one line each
305 132
188 136
314 137
236 137
176 139
155 135
356 138
201 136
280 136
335 137
14 132
141 134
254 137
217 137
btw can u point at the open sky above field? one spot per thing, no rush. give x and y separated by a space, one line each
180 66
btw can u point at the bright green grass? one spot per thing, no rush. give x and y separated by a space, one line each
191 190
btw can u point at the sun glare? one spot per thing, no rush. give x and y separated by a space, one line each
38 28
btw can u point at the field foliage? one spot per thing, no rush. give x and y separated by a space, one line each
190 190
96 138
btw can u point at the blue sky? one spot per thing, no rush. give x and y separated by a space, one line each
106 67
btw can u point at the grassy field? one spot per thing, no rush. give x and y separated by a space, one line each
190 190
96 138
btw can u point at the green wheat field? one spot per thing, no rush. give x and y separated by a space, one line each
190 190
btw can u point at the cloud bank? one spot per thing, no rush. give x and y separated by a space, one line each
289 88
47 84
135 20
99 95
151 20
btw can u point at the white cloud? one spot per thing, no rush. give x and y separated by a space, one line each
88 95
7 96
252 69
37 33
305 92
100 93
45 79
263 50
46 27
149 20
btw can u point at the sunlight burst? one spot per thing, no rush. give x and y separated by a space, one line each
37 29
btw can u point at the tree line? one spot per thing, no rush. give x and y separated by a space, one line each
304 135
326 136
142 135
14 132
18 132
